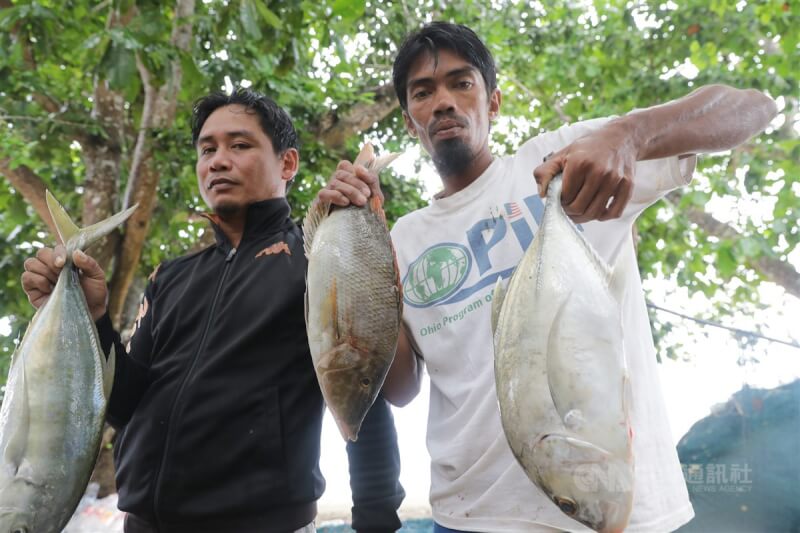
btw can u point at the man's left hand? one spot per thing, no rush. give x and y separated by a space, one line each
597 174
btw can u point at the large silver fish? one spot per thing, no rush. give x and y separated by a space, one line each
353 302
561 376
54 405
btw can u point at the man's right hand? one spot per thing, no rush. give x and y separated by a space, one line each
41 274
350 184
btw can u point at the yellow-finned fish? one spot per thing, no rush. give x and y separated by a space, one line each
54 405
353 301
561 375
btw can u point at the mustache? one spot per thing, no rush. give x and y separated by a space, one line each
433 128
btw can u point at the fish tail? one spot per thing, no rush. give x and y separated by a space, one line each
366 156
75 238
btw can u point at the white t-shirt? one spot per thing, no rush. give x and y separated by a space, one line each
450 255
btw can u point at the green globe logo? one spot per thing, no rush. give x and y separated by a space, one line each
436 274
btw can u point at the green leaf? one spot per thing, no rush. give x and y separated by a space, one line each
193 79
749 247
248 15
726 262
267 14
349 10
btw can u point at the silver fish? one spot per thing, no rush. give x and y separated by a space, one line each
53 410
353 302
561 375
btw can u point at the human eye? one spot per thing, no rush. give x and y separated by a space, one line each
419 94
465 84
205 150
240 146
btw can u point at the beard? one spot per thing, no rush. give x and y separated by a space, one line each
452 157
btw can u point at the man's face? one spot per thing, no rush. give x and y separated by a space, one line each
449 110
236 163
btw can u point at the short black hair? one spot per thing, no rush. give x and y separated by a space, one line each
274 120
442 36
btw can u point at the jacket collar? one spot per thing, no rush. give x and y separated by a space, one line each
263 218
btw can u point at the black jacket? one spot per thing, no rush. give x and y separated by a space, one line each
219 408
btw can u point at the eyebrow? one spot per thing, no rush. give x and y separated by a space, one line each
228 134
451 74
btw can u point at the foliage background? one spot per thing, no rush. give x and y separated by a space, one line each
95 100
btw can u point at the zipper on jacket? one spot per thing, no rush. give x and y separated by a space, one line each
176 403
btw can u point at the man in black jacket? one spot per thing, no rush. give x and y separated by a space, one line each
215 397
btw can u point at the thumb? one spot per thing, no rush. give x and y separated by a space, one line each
90 268
545 172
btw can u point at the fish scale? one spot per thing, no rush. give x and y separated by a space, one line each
353 302
53 411
561 376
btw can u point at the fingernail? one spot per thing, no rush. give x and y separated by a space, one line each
80 254
362 199
59 261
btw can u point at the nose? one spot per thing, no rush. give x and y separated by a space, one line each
219 160
444 103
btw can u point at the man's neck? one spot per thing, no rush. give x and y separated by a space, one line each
232 225
455 183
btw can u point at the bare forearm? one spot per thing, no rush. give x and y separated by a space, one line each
711 119
403 379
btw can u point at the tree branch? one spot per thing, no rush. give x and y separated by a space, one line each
31 187
779 272
337 126
158 112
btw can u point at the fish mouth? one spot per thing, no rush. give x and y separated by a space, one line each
220 182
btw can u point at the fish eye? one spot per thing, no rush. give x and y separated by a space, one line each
365 382
566 505
20 530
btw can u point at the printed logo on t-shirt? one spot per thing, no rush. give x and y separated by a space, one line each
439 274
436 274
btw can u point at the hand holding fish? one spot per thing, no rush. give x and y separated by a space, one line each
598 174
351 183
41 274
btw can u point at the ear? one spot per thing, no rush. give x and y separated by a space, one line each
290 162
494 104
410 128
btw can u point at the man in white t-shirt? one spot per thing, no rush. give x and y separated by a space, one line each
475 231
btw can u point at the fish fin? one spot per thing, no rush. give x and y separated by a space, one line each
559 402
109 366
314 217
334 306
18 420
75 238
376 206
498 296
397 282
65 227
